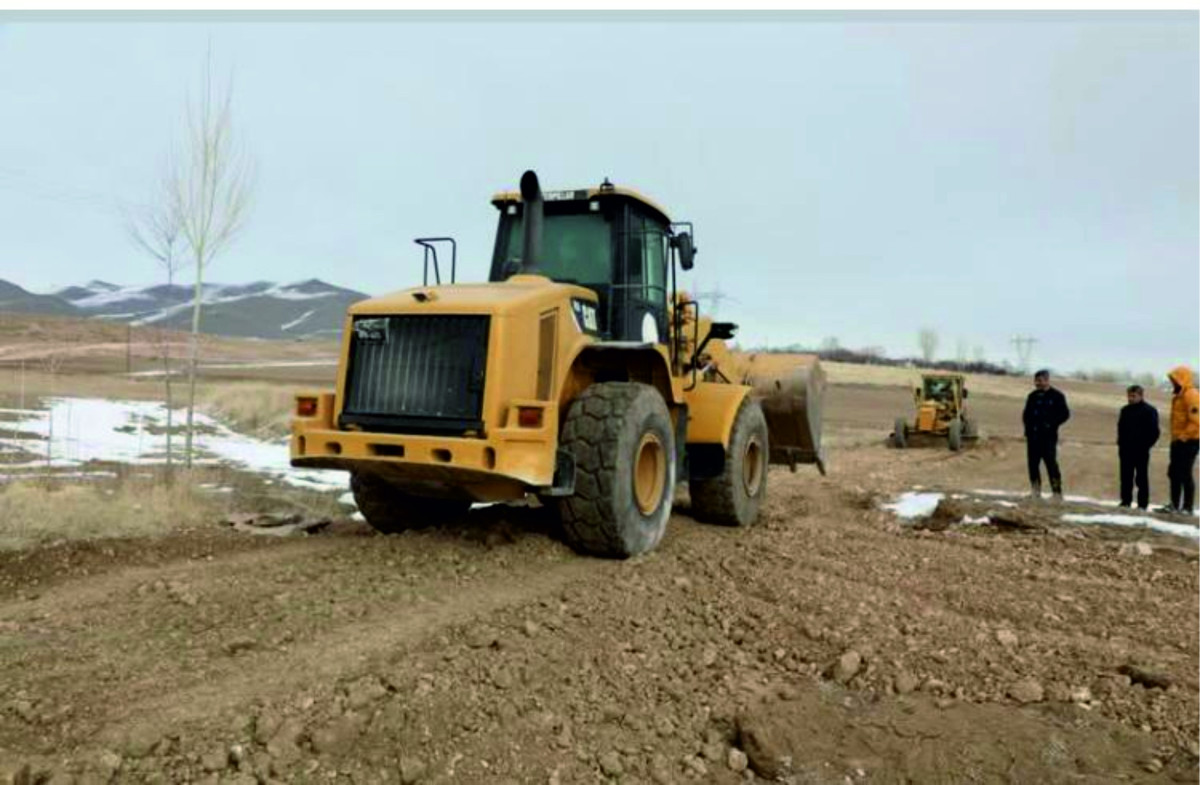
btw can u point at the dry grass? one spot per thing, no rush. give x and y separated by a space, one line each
256 408
35 512
36 383
1093 394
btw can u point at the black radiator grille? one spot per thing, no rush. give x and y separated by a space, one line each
416 374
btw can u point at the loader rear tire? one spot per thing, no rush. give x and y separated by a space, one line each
734 497
954 434
900 434
390 511
623 442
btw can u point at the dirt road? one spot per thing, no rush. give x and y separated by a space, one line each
830 643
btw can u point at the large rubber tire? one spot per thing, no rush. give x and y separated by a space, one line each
734 497
390 511
900 434
611 430
954 434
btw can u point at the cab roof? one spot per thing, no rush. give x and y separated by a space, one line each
605 190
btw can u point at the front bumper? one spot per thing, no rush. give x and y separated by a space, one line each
504 465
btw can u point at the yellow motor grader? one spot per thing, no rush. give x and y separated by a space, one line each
941 403
578 373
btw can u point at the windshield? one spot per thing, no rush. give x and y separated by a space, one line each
939 389
575 248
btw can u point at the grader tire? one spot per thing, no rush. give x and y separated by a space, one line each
900 435
390 511
623 443
734 497
955 435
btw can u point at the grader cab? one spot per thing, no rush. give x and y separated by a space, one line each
579 374
941 404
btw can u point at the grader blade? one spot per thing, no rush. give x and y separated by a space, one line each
790 389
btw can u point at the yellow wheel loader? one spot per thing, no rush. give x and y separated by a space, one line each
579 374
941 403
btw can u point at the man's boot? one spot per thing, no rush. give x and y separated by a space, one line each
1035 490
1056 490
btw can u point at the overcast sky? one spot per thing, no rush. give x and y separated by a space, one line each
858 178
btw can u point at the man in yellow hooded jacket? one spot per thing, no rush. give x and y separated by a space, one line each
1185 441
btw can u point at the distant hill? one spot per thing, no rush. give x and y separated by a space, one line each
306 309
15 299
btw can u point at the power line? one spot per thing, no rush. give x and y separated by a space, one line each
1024 346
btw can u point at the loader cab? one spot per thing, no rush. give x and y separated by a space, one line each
610 240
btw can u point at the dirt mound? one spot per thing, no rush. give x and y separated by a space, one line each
817 733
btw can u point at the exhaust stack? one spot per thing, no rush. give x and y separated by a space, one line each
531 196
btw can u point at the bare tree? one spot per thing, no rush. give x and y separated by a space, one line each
927 339
211 186
960 352
830 344
156 230
872 354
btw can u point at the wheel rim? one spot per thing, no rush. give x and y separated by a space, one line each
649 473
752 466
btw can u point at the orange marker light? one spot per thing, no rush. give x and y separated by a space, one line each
306 407
529 417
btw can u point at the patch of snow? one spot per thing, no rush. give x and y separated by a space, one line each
1136 521
1003 503
297 320
96 429
1090 500
347 498
967 520
912 504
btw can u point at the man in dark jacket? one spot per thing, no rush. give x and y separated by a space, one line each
1045 411
1137 431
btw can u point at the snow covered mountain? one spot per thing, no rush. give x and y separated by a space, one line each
306 309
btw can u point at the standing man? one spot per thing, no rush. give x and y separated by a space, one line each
1185 438
1137 431
1045 411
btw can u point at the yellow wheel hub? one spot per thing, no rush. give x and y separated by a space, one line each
649 473
752 466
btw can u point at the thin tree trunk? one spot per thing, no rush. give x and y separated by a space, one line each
166 349
193 351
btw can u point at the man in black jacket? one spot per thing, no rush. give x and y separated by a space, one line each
1137 431
1045 410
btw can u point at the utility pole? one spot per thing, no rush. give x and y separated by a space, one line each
714 297
1024 346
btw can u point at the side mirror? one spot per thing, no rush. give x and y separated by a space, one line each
721 331
687 251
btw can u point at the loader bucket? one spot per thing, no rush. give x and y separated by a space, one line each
790 389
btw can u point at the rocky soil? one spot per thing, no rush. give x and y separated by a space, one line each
831 643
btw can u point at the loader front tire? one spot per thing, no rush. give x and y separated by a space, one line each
734 497
390 511
623 443
954 434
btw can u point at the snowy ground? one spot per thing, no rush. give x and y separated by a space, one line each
72 432
916 504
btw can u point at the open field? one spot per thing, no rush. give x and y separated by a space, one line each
834 642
